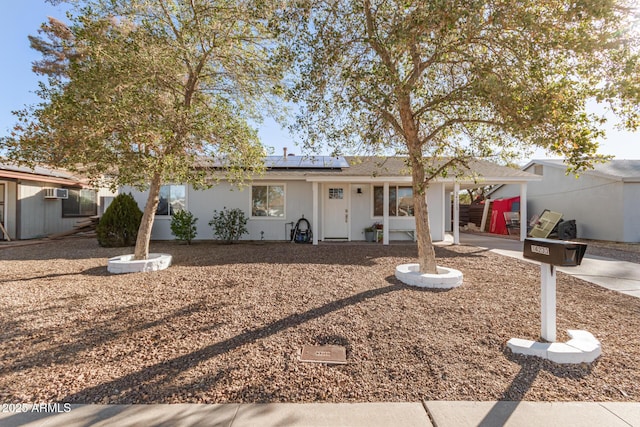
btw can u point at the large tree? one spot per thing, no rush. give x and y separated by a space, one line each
444 81
140 91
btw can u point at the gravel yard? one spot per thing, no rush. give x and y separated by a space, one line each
225 323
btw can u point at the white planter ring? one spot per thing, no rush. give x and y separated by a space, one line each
447 278
126 264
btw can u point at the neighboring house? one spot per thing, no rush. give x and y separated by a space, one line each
605 201
39 202
339 196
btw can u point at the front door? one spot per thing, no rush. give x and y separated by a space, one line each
336 211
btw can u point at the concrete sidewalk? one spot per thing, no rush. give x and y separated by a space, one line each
430 413
616 275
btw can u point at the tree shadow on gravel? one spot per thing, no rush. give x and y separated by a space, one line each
92 335
97 271
94 272
530 367
394 281
66 248
444 252
209 254
152 384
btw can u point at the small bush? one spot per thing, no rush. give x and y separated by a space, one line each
119 225
183 226
229 225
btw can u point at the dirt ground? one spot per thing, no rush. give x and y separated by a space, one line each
225 324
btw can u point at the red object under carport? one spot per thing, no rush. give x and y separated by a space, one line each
498 224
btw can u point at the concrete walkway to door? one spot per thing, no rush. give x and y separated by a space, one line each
620 276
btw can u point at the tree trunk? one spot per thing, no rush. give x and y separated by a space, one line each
426 253
144 232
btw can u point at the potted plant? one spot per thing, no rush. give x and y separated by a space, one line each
369 234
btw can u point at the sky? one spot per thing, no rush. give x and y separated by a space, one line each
21 18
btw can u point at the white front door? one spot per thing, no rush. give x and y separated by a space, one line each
336 211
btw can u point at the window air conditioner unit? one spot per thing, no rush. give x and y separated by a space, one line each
56 193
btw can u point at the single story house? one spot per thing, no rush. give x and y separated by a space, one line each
339 196
604 201
39 202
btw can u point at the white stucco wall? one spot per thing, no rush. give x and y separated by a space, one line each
39 216
596 203
299 202
435 205
202 203
631 197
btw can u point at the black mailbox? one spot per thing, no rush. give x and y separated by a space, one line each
555 252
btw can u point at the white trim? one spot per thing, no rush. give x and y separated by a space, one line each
358 179
270 176
267 184
524 221
482 181
456 213
385 214
314 220
349 215
442 219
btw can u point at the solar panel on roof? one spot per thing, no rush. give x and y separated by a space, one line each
312 162
335 162
306 162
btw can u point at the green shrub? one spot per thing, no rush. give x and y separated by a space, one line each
183 226
229 225
119 225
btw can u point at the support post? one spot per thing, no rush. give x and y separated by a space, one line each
314 219
524 222
548 302
456 213
385 214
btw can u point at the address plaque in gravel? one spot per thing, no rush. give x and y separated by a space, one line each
329 354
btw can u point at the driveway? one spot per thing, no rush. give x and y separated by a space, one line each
609 273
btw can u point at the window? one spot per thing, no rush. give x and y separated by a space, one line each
172 199
267 201
336 193
81 202
400 201
538 170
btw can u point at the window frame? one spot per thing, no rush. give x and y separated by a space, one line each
392 188
169 214
79 191
284 201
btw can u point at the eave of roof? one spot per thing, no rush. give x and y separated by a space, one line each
39 174
365 169
383 168
617 170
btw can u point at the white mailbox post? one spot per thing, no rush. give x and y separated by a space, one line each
583 347
548 302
